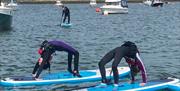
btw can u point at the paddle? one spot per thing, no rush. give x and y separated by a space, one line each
61 20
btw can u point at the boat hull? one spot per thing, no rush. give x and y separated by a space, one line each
157 4
5 18
5 21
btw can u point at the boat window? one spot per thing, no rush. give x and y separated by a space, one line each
124 3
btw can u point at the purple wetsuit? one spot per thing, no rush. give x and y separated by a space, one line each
53 46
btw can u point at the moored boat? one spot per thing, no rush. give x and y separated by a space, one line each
59 3
12 5
93 3
153 3
5 17
114 7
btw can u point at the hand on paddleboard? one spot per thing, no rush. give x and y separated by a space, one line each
142 84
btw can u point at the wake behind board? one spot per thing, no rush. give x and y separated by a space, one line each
66 25
150 86
61 78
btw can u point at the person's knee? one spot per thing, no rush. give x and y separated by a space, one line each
76 53
101 63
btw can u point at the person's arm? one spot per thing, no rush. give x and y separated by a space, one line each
142 68
35 69
64 11
45 58
130 62
40 69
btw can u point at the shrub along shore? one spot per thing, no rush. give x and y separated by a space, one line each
77 1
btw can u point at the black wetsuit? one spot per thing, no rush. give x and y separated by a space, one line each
53 46
124 51
66 14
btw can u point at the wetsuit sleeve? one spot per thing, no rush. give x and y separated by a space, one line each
128 60
45 57
142 68
40 69
35 68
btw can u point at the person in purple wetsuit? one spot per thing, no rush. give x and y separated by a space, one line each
47 49
130 52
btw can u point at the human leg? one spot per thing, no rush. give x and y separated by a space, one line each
107 58
70 62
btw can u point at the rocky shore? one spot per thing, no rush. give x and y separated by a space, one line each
75 1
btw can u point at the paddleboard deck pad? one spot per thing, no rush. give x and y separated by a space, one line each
61 78
125 86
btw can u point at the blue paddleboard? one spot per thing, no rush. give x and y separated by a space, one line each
66 25
174 86
125 86
61 78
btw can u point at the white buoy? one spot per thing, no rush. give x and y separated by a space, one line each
105 12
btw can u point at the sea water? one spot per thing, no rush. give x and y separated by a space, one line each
155 30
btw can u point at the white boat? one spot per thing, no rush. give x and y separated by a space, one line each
114 7
153 3
59 3
93 2
157 3
5 17
147 2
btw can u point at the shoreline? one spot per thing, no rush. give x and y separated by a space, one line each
75 1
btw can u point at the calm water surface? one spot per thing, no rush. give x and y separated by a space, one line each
155 31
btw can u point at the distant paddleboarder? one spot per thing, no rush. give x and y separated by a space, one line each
66 14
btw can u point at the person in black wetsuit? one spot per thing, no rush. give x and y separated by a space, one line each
66 14
47 49
128 51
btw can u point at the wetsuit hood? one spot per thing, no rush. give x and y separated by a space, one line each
41 49
44 43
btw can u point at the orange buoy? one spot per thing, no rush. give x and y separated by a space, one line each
98 9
